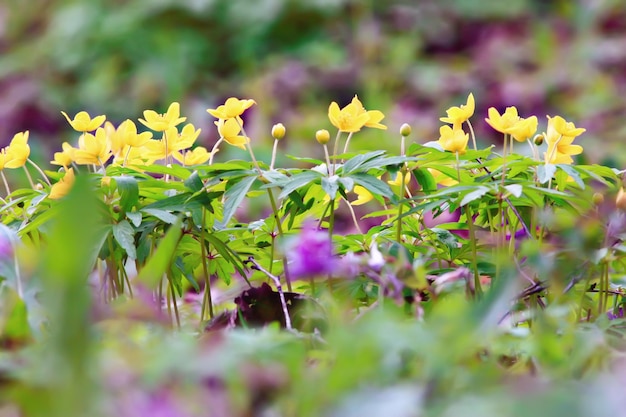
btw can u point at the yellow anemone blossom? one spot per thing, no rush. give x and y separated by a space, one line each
233 107
457 115
162 122
441 178
502 122
229 130
65 157
3 158
559 137
351 118
128 136
82 122
187 137
92 149
18 151
396 181
453 140
375 116
364 196
523 129
63 186
199 155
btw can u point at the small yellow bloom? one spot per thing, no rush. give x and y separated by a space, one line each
3 158
559 137
364 196
65 157
233 107
441 178
396 181
63 186
18 151
405 129
162 122
93 150
199 155
453 140
322 136
82 122
186 138
229 130
128 136
351 118
502 122
157 149
278 131
458 115
374 118
523 129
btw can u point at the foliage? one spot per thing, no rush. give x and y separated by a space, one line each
135 279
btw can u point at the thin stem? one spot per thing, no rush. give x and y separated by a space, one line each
331 170
274 149
214 150
254 160
6 184
279 289
472 235
30 179
354 219
345 148
327 158
205 271
472 135
173 293
279 227
43 175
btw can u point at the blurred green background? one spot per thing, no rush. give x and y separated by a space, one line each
409 59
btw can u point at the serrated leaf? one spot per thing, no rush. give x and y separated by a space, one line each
297 181
194 183
545 172
514 189
129 191
135 217
164 216
474 195
233 198
372 184
124 235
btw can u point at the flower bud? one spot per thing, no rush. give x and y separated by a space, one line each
620 200
597 198
538 139
278 131
405 129
322 136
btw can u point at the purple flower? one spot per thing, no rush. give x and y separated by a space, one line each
619 314
311 254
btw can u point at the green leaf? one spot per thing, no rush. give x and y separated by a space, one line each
135 217
425 179
545 172
372 184
164 216
124 234
347 182
233 198
331 185
194 183
474 195
297 181
129 191
354 163
572 173
160 261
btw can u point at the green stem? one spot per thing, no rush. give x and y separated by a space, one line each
472 236
43 175
30 179
6 184
173 293
207 299
274 149
331 169
279 227
472 135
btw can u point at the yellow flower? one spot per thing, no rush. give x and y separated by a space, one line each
233 107
453 140
18 151
352 117
322 136
63 186
127 134
186 138
82 122
523 129
3 158
375 116
162 122
199 155
65 157
92 149
229 130
278 131
364 196
502 122
459 115
137 158
441 178
396 181
559 137
158 149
